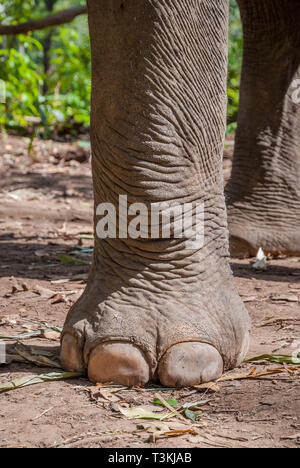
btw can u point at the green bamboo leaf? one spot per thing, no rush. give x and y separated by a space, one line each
26 335
276 358
68 260
36 379
172 402
23 336
190 415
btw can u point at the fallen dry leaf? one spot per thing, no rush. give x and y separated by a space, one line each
37 358
143 412
10 320
292 437
51 335
212 386
60 281
43 292
250 299
279 320
59 298
41 253
288 298
248 375
104 395
109 394
16 286
154 427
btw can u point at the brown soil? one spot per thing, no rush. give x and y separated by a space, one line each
45 205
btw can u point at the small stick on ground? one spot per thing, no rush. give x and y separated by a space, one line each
173 410
42 414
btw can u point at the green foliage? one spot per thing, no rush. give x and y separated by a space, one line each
234 63
22 80
71 77
47 73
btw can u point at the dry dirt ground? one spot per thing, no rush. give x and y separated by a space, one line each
45 208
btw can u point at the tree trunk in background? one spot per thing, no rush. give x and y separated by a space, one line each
47 46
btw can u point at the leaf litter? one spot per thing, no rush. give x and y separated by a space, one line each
276 358
29 356
36 379
161 412
247 375
50 332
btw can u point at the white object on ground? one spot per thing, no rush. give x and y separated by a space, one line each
261 260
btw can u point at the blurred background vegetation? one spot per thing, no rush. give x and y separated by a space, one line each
47 73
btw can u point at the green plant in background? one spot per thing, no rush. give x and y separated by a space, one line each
70 75
23 80
47 73
18 67
234 65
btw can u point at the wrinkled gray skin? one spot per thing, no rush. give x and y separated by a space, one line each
153 309
264 191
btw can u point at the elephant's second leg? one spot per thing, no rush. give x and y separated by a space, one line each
263 194
158 307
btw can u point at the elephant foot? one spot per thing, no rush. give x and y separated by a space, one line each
118 362
188 364
183 337
247 238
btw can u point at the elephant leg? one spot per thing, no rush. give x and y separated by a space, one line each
158 306
263 194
